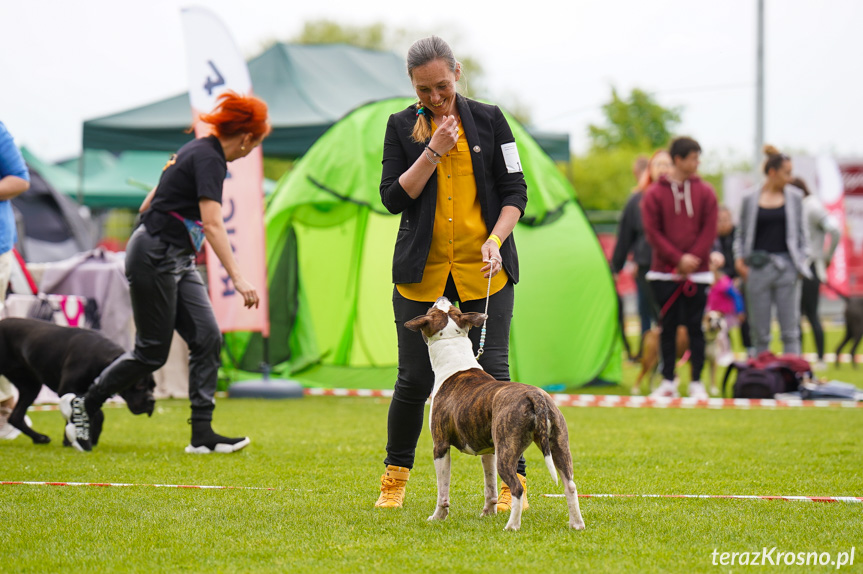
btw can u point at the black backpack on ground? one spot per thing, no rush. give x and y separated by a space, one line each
754 383
766 375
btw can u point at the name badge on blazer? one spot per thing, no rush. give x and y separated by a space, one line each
510 157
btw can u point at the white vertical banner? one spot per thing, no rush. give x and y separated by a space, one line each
215 65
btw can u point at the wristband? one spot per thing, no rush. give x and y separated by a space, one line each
496 239
436 154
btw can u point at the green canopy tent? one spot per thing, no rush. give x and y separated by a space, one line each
308 88
110 181
329 250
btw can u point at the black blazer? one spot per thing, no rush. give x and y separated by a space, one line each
486 130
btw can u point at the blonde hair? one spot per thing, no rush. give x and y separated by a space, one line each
646 177
422 128
421 53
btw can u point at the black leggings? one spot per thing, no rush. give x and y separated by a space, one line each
415 377
810 294
687 311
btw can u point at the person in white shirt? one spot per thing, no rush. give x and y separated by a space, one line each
821 227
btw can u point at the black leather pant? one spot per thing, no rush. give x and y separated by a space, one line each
167 294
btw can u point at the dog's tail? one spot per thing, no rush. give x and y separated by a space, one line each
540 435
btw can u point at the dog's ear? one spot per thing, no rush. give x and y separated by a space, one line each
418 323
471 319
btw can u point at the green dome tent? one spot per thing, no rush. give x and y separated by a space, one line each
329 254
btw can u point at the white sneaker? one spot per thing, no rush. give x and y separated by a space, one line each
7 431
696 391
819 366
666 389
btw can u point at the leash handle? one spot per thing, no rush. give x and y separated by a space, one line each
481 349
688 288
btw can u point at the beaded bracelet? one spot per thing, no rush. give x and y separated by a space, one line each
429 158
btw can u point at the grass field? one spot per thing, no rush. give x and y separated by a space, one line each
323 458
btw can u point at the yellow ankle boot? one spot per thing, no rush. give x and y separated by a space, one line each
504 499
393 483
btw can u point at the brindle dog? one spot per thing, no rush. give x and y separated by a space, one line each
479 415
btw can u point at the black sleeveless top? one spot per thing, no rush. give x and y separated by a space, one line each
770 232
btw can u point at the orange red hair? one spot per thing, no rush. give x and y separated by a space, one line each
646 178
236 114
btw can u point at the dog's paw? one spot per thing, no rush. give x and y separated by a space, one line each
577 525
489 511
511 527
41 439
440 514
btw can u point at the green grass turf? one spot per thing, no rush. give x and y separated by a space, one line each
323 458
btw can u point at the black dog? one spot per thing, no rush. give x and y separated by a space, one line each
853 326
67 360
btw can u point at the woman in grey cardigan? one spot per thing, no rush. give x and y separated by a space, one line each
771 249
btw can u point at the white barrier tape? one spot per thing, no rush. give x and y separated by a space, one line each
379 393
728 496
857 499
628 401
690 403
35 483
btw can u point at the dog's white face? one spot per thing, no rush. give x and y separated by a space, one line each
444 321
714 323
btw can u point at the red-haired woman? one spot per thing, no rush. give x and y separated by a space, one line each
166 290
631 238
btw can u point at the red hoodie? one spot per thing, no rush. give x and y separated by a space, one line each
679 219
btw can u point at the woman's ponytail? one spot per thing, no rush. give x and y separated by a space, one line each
774 158
422 128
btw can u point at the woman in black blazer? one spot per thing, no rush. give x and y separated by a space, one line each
451 169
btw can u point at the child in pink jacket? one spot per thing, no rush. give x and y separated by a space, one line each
724 298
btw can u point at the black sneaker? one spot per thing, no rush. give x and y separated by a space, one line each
77 422
219 444
206 441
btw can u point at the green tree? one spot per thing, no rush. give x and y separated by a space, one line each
637 122
371 37
603 178
635 125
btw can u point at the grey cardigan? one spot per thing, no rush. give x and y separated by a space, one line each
796 233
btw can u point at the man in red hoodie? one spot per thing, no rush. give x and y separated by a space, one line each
679 213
